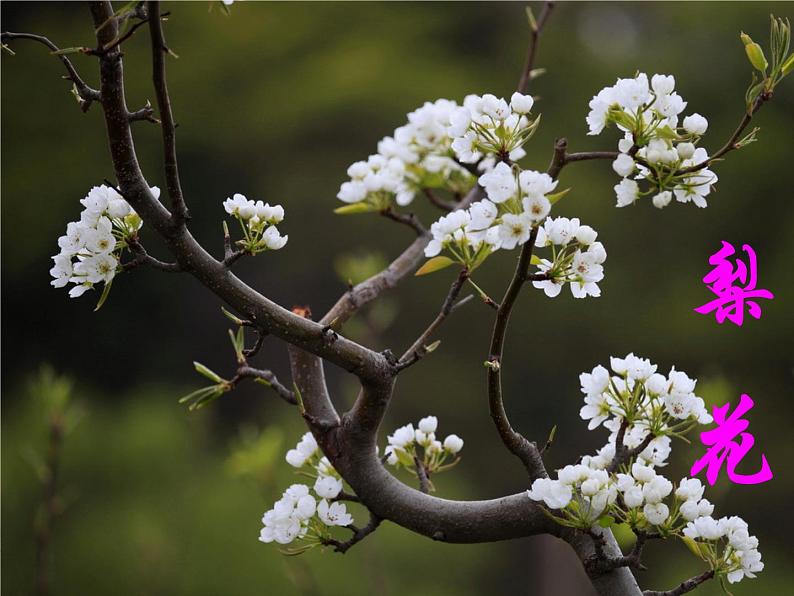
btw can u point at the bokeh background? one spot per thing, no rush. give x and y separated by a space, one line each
275 101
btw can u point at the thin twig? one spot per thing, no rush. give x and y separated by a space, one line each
358 535
51 506
86 94
532 48
408 219
179 213
683 587
247 372
260 339
145 113
442 204
143 258
419 348
422 475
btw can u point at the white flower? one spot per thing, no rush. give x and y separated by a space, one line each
428 424
459 122
334 515
514 229
305 506
536 207
627 191
553 493
633 497
295 458
662 199
689 488
586 235
328 487
402 436
662 84
596 409
623 165
706 528
453 444
273 239
632 93
483 213
656 489
521 104
656 513
642 473
685 150
595 382
499 183
695 124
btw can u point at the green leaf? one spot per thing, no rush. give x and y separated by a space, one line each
788 65
434 264
534 260
231 316
197 394
354 208
203 370
533 24
104 296
693 546
557 196
606 521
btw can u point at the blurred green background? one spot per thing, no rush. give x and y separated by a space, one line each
275 102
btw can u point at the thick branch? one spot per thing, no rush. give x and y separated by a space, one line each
86 94
532 48
159 51
683 587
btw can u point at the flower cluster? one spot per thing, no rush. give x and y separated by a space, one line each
487 126
726 544
258 221
407 445
576 258
91 248
645 408
300 514
644 399
659 154
517 201
417 156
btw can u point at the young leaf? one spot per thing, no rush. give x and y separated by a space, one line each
104 296
557 196
434 264
354 208
606 521
534 260
203 370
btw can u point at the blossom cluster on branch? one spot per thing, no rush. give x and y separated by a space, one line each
644 409
301 515
655 147
92 246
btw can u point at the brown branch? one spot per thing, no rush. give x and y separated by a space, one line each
421 474
622 453
442 204
130 32
159 51
145 113
731 144
86 94
603 563
358 535
247 372
407 219
419 348
532 48
143 258
683 587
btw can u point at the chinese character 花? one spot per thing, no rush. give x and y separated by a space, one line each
723 445
731 299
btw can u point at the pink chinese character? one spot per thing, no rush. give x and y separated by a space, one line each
730 301
723 445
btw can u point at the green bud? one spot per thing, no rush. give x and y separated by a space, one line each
746 39
756 56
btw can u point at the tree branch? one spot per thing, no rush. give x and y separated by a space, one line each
532 48
421 474
419 348
143 258
683 587
407 219
86 94
358 535
159 51
247 372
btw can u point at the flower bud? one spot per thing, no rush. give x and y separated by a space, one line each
756 56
